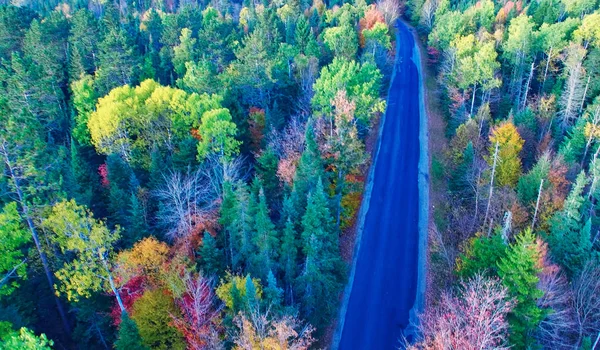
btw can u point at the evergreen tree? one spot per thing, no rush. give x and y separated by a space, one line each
519 271
211 257
321 278
264 239
128 337
288 255
569 239
272 294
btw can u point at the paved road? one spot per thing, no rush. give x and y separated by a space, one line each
385 280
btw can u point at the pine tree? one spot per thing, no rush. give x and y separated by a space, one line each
211 257
288 255
321 279
251 298
519 271
569 240
308 172
264 240
128 337
137 226
272 294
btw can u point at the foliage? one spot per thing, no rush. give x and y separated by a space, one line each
153 314
12 238
26 340
129 336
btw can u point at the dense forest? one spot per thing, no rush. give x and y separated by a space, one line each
183 174
514 241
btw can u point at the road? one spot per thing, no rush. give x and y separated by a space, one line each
385 277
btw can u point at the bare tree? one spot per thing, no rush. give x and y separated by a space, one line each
472 318
556 328
586 302
187 197
391 9
200 312
573 92
259 331
184 196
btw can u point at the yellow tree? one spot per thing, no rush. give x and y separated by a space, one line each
507 159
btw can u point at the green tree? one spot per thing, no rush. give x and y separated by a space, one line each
361 82
184 52
84 102
13 237
25 339
342 40
84 37
75 231
217 135
211 257
153 313
322 278
128 337
482 254
264 239
570 238
519 271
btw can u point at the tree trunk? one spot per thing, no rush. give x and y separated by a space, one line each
584 93
527 86
36 240
112 283
537 204
473 99
487 210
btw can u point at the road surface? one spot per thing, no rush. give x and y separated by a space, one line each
385 278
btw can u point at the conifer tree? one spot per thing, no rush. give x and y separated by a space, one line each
321 278
264 240
211 257
519 271
128 337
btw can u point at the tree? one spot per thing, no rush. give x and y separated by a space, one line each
199 313
84 102
476 65
217 135
211 257
12 238
321 278
361 82
84 38
25 339
76 231
481 256
573 92
233 292
130 121
519 271
517 48
342 40
570 238
259 332
510 144
184 52
128 337
265 241
153 313
475 317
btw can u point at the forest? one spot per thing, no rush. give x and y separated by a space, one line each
188 174
183 174
514 238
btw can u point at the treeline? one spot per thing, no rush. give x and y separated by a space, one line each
177 174
515 238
